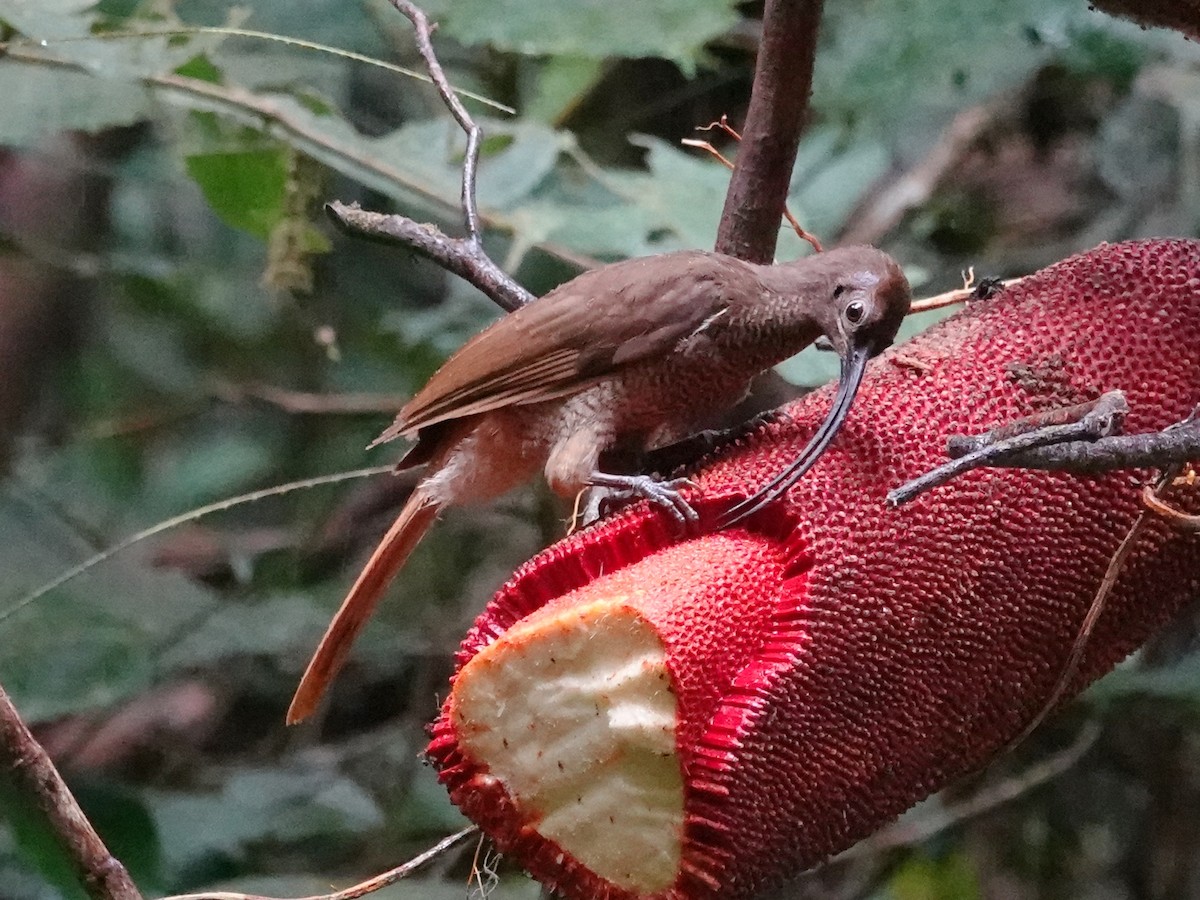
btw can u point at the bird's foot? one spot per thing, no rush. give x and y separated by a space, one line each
624 488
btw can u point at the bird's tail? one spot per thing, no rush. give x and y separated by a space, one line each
406 532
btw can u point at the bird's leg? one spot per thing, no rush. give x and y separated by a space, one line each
580 461
646 487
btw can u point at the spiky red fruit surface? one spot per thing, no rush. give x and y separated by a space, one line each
639 714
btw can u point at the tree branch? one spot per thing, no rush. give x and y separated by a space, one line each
22 757
1156 449
464 256
460 256
1085 446
749 227
1100 420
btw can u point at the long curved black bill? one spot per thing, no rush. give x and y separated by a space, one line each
854 364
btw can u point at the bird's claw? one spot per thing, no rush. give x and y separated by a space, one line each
666 494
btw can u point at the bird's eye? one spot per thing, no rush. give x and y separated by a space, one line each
855 311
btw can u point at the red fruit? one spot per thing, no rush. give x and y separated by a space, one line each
638 714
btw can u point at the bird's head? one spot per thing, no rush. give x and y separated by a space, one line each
858 296
863 298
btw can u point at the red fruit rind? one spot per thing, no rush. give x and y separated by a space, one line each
640 714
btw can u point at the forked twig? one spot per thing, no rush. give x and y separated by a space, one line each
723 124
463 256
1058 448
423 31
1102 418
1078 439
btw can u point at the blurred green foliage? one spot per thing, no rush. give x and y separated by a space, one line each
201 285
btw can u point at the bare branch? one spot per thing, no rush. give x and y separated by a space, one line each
749 227
308 402
1156 449
1104 417
464 256
361 889
22 758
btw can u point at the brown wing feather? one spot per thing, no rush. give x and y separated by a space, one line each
565 341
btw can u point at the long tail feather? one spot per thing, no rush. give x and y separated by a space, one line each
406 532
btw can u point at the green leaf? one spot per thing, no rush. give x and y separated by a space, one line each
951 877
427 808
246 189
271 627
1179 681
901 68
48 20
201 68
121 819
669 29
430 154
557 84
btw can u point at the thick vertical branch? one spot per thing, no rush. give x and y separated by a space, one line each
23 759
778 109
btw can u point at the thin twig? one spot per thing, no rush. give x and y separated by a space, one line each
1100 421
309 402
749 227
221 31
181 519
950 298
723 124
261 112
464 256
1153 505
24 760
1152 450
362 888
1152 501
423 32
1099 602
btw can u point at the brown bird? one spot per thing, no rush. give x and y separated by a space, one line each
627 357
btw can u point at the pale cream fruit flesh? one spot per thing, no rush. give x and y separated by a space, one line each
572 709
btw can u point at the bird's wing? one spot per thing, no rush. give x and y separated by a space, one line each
578 333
